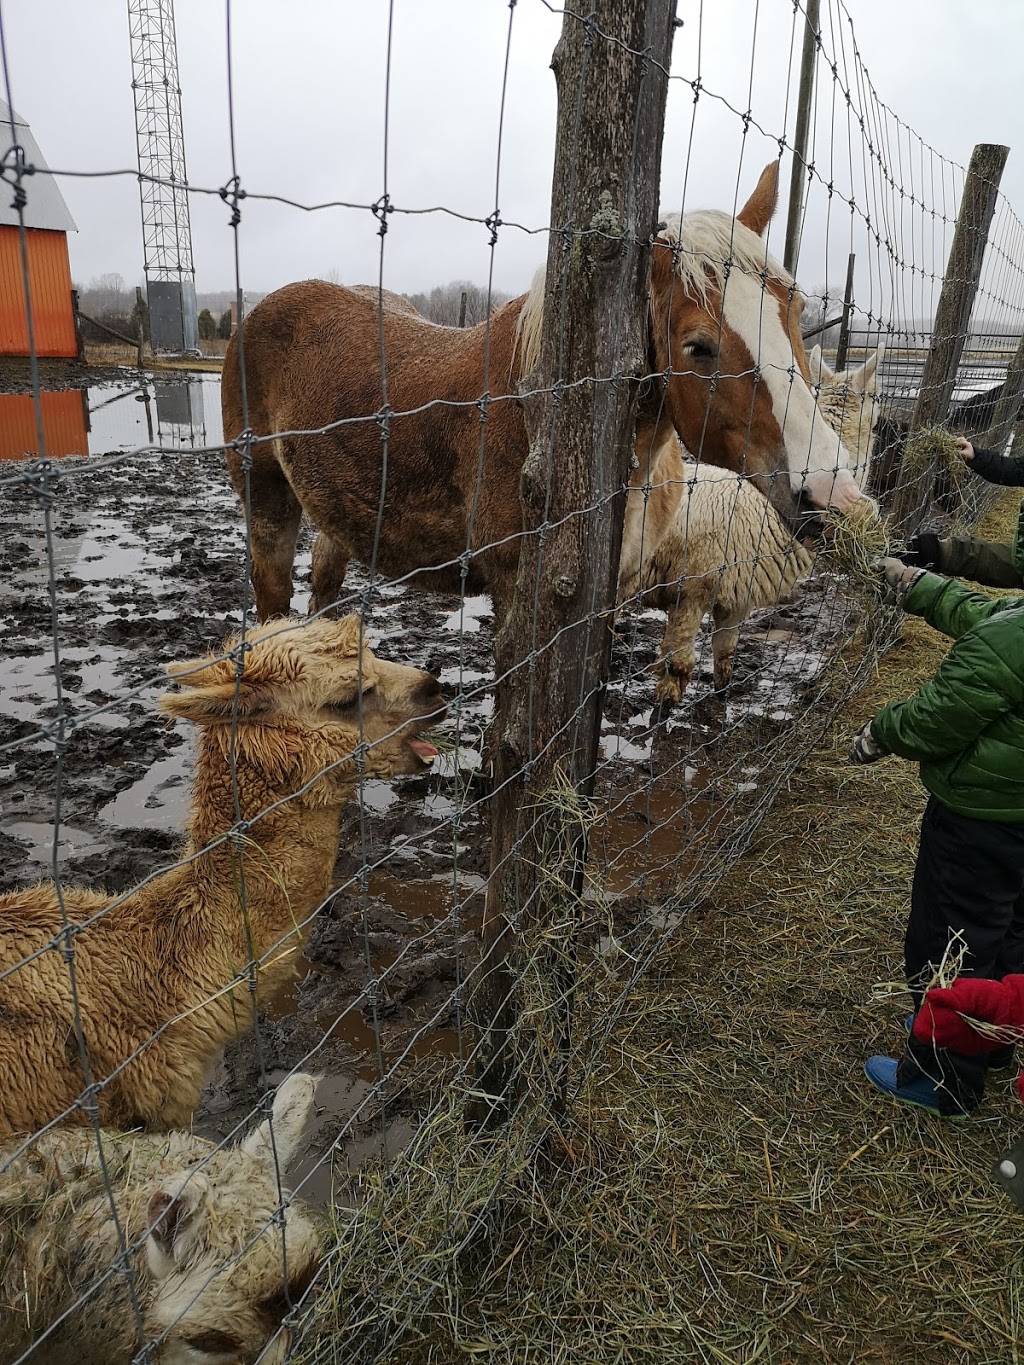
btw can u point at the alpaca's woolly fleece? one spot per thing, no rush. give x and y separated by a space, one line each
160 973
208 1242
725 550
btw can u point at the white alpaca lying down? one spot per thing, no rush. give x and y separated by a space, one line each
708 541
209 1268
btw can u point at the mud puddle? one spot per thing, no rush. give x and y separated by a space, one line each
145 555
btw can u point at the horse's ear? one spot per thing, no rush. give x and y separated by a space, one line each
759 209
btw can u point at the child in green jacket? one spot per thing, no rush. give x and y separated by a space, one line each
965 728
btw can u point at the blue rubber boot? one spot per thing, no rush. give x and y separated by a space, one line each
922 1093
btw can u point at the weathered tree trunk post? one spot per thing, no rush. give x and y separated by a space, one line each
952 317
462 309
843 344
803 124
553 654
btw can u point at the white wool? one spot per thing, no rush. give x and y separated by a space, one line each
706 540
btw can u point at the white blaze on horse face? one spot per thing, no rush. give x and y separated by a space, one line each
819 464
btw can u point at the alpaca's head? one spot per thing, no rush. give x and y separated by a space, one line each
227 1264
311 699
849 403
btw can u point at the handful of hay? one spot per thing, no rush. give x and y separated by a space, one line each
854 541
935 448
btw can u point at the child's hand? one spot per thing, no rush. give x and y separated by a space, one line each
899 578
964 449
864 748
940 1019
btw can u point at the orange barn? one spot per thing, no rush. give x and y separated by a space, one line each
47 223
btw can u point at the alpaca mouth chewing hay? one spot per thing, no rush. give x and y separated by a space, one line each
424 750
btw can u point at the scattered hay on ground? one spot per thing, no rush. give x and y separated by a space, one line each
725 1185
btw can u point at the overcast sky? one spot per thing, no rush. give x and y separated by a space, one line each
309 101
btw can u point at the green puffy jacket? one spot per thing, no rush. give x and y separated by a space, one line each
965 726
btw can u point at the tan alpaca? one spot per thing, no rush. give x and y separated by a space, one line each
153 971
208 1247
724 550
849 403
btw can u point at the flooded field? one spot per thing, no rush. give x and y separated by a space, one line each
145 555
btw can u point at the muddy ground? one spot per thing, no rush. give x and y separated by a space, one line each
146 554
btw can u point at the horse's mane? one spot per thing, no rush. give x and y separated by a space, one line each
709 242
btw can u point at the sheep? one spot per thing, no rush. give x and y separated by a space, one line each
849 403
154 970
702 540
209 1238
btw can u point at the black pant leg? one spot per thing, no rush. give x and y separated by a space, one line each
969 877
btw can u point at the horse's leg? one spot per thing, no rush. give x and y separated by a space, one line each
275 515
724 638
330 564
687 606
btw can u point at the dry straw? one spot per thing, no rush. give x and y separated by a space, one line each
935 449
855 541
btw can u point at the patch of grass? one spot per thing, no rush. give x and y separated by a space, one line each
725 1186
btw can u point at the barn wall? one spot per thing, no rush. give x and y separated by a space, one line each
49 274
64 430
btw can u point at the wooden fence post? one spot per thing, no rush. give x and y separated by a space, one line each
553 653
952 318
1008 406
803 124
462 309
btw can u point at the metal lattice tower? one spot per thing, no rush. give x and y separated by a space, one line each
166 229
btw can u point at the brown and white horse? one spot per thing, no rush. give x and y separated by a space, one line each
728 372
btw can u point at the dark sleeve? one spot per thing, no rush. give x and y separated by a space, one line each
993 467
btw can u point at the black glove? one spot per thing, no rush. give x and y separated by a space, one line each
864 748
922 551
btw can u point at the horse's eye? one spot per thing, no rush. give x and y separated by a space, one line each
697 350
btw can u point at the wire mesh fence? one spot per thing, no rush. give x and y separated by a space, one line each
588 577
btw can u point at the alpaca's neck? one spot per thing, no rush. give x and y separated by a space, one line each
251 889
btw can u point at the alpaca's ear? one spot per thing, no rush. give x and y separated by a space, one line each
816 364
175 1218
863 379
214 703
293 1105
759 209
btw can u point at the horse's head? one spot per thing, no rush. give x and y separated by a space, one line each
725 329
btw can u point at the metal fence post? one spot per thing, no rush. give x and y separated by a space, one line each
803 124
552 655
843 344
952 317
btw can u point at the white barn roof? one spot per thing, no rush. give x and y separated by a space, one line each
46 207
